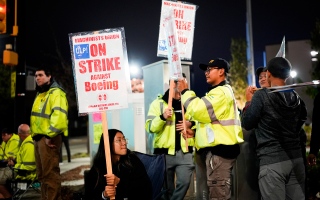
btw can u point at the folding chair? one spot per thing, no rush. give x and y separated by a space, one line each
19 187
156 169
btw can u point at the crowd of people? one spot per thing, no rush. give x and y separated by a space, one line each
201 134
273 119
36 150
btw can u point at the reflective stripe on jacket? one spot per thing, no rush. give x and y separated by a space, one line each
164 131
217 116
49 115
26 159
2 147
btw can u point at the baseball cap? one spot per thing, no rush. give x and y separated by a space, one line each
259 70
279 67
218 62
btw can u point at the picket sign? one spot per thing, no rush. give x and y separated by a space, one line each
101 71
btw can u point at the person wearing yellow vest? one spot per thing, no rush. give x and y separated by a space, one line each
49 119
218 132
24 164
166 125
10 145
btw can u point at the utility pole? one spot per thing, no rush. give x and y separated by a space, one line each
9 35
20 98
250 57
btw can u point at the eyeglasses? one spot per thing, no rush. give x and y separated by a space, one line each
210 68
122 140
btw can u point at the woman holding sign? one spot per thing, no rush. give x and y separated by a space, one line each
129 179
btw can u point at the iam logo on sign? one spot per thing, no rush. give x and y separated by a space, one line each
102 97
162 45
81 51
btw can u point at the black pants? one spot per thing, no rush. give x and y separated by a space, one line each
65 141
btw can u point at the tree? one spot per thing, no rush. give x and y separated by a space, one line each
238 70
315 45
5 97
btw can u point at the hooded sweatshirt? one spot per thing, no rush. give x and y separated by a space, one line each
277 118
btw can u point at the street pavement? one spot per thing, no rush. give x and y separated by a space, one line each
78 145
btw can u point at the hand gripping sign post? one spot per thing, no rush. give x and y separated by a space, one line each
184 20
101 75
173 54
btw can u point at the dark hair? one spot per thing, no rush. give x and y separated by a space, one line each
99 160
47 72
7 130
260 69
279 67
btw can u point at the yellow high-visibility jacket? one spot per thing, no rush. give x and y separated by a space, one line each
66 133
10 148
217 116
164 131
26 159
49 114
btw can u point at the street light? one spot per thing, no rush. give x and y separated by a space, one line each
293 75
313 55
134 70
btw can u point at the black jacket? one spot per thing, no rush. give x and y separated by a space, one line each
277 118
134 182
315 134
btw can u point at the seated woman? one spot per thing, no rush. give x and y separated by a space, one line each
129 179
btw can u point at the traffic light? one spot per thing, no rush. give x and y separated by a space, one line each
3 16
10 58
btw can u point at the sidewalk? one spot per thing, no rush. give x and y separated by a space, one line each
77 162
78 145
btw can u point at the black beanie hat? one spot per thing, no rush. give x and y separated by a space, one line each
279 67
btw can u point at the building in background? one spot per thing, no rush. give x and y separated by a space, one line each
298 53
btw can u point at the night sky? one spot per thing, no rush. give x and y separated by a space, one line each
217 22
